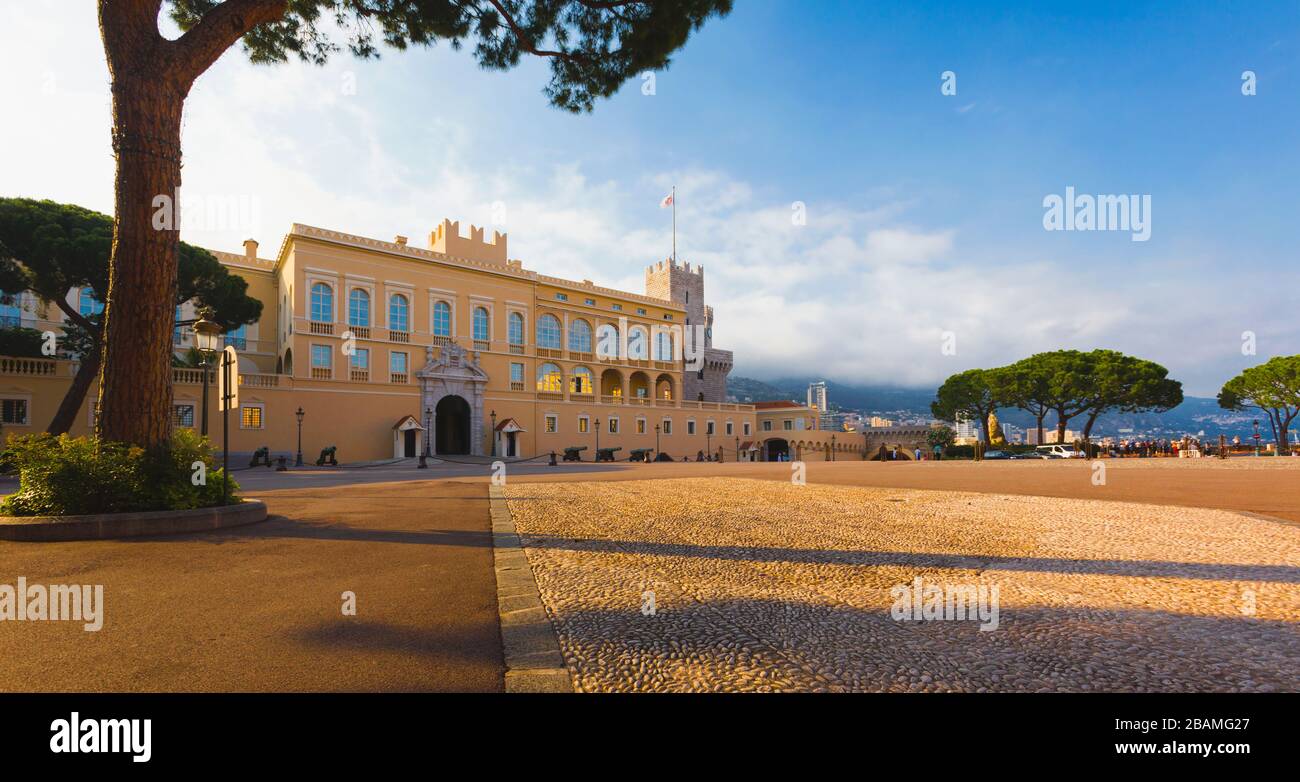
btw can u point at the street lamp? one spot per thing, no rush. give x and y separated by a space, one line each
423 464
737 449
299 415
708 440
207 335
494 433
597 439
832 447
656 442
1256 422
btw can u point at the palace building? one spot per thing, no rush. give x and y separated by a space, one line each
383 345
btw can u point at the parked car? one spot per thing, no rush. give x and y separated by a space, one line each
997 455
1059 451
1030 455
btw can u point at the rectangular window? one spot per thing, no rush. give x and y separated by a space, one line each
767 426
14 412
361 358
668 426
183 415
322 357
583 424
708 427
552 424
250 417
690 427
589 302
397 363
746 429
516 373
731 429
640 310
787 425
640 426
613 425
668 316
561 297
616 307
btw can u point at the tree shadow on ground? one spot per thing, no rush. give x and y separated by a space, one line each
766 645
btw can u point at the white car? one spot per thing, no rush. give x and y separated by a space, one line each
1059 451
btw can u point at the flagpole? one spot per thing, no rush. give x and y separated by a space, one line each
674 223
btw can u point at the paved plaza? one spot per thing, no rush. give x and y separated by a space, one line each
736 585
1173 575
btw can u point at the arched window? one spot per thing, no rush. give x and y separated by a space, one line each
607 341
441 319
580 336
638 343
548 332
549 378
480 323
581 380
399 313
516 328
663 346
359 307
87 304
322 303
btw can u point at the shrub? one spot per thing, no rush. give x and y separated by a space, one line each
67 476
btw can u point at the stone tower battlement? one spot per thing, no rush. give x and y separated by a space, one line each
684 286
446 238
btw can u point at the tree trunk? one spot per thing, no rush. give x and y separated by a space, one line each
151 77
1061 421
135 381
1040 427
1087 428
67 412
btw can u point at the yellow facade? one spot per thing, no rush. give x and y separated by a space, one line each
378 342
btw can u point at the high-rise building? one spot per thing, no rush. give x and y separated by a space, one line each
817 396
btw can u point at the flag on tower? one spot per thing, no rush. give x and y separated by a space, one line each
667 202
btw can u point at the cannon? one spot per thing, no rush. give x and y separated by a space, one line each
327 457
606 454
574 453
640 455
261 456
663 457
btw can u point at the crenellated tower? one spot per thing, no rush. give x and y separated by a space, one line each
684 286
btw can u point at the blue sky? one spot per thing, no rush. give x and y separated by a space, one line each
924 211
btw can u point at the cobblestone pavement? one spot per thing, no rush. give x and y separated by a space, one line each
767 586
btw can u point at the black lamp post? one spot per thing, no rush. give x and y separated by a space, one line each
1256 423
738 449
656 441
597 438
832 447
299 415
494 433
708 440
206 336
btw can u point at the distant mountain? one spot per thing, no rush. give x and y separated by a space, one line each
1194 416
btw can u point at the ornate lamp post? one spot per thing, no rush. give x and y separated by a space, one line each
423 464
737 449
207 335
597 438
708 440
299 415
494 433
832 447
656 441
1256 423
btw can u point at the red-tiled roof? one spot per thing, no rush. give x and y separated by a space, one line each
776 405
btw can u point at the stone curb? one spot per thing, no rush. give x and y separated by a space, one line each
531 648
126 525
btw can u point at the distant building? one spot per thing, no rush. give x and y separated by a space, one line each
877 421
817 396
967 430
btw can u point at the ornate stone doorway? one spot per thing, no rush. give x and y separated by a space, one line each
453 418
451 387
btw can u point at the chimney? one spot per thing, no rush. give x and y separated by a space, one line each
250 249
399 239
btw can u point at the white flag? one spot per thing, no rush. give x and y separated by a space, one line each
667 202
